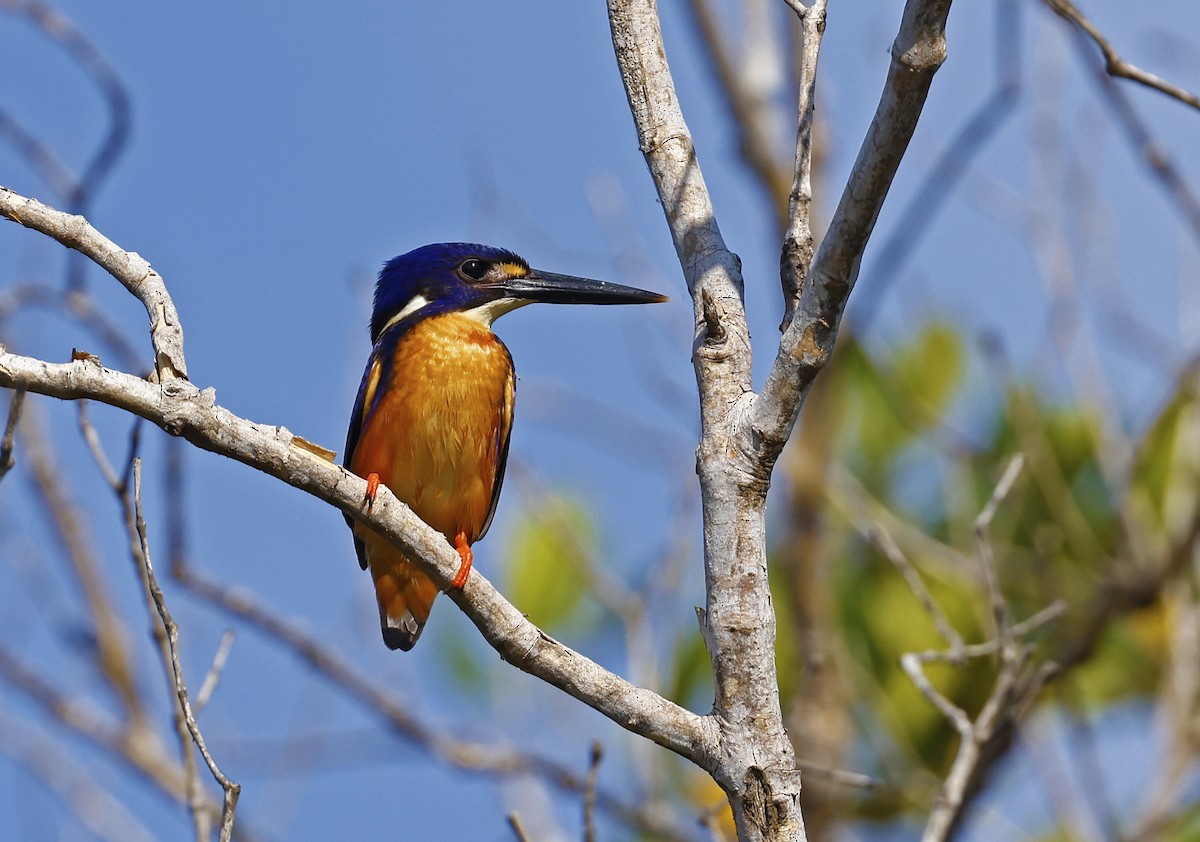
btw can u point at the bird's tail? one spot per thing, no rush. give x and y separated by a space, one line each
404 593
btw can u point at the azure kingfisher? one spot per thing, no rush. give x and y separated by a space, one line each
435 406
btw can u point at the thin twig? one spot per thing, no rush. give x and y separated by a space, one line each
987 556
78 192
10 429
514 822
81 792
1155 156
120 485
858 780
144 756
1014 689
466 755
596 754
883 540
130 268
796 258
1114 65
232 789
214 672
749 105
113 658
181 409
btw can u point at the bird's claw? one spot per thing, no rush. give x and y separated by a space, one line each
372 488
464 569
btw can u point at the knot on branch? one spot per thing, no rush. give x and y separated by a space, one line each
711 337
794 261
771 800
924 55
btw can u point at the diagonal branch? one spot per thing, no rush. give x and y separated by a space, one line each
182 409
918 52
1114 65
130 268
231 789
465 754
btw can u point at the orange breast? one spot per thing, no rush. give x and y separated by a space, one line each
436 435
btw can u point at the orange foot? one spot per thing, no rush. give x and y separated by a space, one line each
464 552
372 488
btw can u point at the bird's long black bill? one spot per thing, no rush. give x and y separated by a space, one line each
567 289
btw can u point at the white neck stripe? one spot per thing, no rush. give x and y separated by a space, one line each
414 304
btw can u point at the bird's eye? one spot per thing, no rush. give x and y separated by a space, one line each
474 269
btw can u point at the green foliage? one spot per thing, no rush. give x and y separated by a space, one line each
547 552
1070 528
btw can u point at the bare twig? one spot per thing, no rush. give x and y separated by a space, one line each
120 485
232 789
466 755
41 158
1015 687
138 751
838 776
795 261
10 428
181 409
95 807
749 106
596 754
129 268
514 822
883 540
808 339
987 556
1114 65
76 192
81 307
112 652
214 671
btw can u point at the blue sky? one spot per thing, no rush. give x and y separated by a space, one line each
280 154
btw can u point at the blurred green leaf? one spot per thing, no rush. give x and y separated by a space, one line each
691 670
931 368
465 668
548 549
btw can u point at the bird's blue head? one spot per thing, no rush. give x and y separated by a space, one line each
481 281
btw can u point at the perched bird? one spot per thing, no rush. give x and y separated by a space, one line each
435 407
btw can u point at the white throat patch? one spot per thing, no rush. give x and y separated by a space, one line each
414 304
485 314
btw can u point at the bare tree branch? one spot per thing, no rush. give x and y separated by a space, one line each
231 789
112 654
923 208
1157 159
129 268
76 192
464 754
10 429
749 109
795 261
596 754
918 52
213 677
95 807
183 410
1014 689
755 764
1114 65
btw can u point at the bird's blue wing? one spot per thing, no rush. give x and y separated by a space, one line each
364 402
